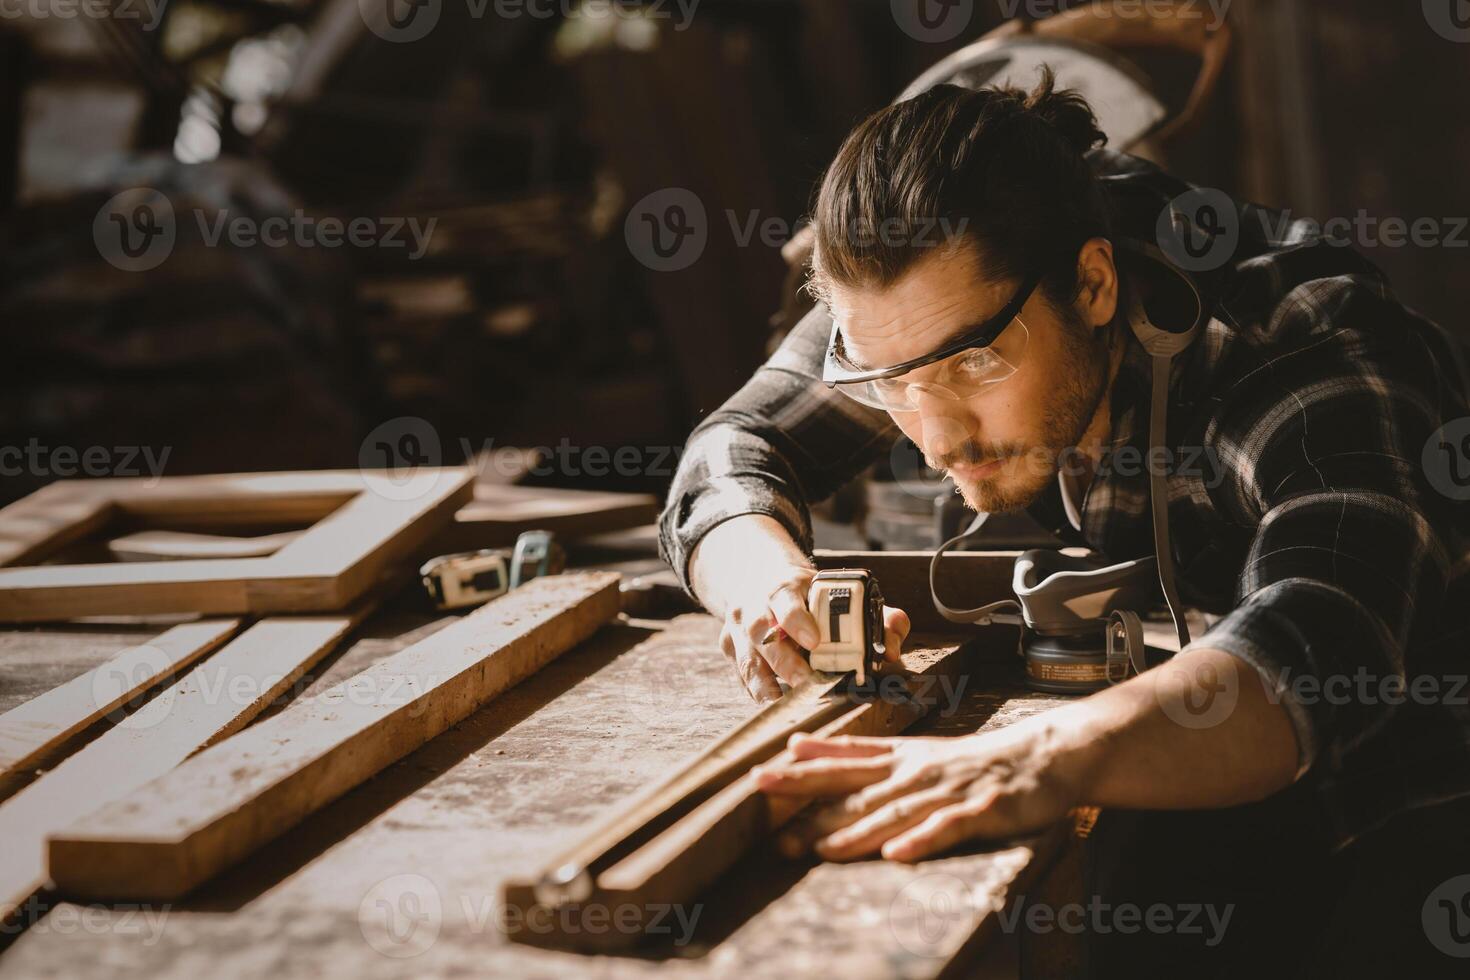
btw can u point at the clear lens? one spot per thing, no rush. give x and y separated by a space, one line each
957 378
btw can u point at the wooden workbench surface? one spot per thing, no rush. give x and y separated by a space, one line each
400 878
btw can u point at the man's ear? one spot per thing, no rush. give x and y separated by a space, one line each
1097 277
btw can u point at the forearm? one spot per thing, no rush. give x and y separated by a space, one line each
724 560
1199 732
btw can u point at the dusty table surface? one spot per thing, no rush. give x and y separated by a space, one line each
401 877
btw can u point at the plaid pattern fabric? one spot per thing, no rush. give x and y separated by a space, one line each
1303 425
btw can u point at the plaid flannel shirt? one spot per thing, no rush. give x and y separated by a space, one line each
1305 505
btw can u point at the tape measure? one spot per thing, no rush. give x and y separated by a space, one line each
848 607
472 578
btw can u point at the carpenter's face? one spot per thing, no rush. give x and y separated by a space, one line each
1001 442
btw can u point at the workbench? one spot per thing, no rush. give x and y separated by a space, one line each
402 876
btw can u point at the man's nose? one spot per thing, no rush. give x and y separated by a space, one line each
943 427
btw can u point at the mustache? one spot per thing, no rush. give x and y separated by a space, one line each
975 453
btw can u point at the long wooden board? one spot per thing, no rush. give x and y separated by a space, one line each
213 700
32 731
180 830
498 514
364 523
678 859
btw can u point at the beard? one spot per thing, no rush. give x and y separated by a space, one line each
1025 469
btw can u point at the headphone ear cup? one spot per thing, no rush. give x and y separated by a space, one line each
1157 341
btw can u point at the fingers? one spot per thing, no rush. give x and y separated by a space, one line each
823 821
939 831
754 673
804 746
789 611
823 777
785 659
896 628
867 835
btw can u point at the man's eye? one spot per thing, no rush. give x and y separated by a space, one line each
974 364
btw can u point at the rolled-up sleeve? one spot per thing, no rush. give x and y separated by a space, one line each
782 442
1349 558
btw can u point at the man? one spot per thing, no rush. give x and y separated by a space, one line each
1319 536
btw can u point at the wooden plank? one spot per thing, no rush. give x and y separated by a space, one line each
213 700
803 709
684 857
499 513
35 729
149 545
224 804
323 569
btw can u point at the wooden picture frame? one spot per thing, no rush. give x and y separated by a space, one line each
361 521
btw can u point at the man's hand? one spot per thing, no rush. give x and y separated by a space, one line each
750 573
1138 745
909 798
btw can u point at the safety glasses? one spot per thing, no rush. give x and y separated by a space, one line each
970 365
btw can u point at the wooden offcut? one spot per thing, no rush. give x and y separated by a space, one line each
362 523
180 830
213 700
32 731
675 860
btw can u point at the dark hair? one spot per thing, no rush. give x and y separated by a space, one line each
997 167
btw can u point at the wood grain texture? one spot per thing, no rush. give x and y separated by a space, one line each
364 523
684 857
497 515
182 829
31 731
213 700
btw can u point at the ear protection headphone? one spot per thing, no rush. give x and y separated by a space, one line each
1058 597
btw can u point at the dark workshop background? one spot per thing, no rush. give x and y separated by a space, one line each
528 138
